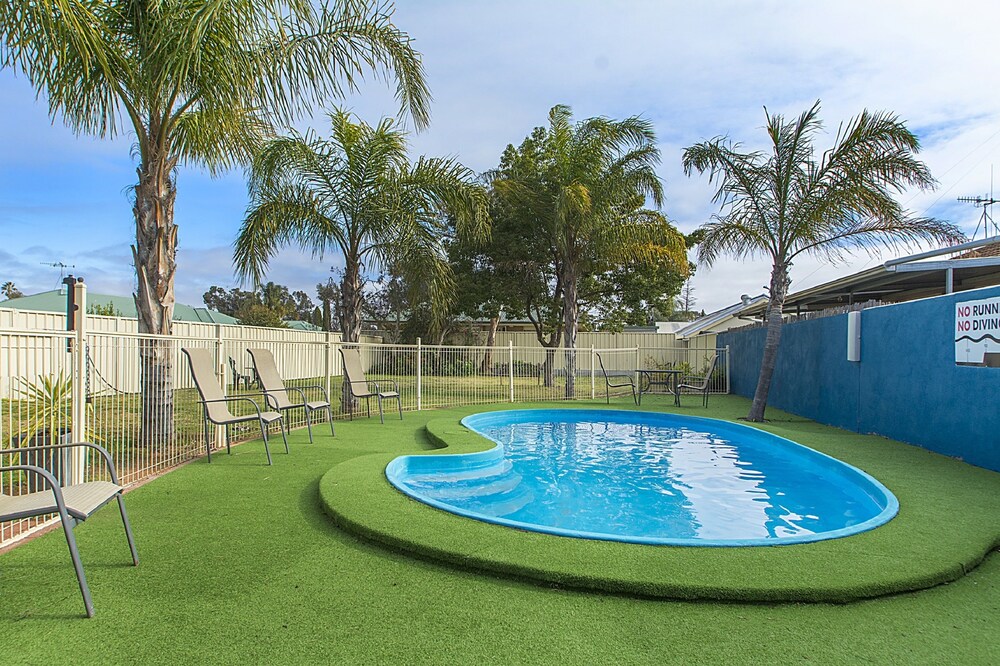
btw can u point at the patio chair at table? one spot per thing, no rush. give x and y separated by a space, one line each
277 394
239 376
73 503
215 404
699 384
359 387
608 384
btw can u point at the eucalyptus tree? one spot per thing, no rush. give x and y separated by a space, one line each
588 196
358 195
793 201
196 82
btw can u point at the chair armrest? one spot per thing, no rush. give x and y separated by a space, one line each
395 385
235 399
100 449
321 389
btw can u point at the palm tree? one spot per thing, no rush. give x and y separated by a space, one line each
788 203
589 193
197 82
357 194
10 291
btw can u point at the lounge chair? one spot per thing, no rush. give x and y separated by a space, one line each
216 404
608 385
359 387
277 394
73 503
699 384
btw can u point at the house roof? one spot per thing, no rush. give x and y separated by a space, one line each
55 301
705 324
973 265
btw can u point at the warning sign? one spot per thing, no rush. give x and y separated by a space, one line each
977 330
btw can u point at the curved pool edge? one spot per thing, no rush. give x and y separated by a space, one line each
402 464
360 502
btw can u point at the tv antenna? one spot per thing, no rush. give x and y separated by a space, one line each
61 266
986 219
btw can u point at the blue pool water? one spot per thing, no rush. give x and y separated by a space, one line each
644 477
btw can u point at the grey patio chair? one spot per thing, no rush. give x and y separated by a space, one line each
215 404
277 394
239 377
74 503
608 385
699 384
359 387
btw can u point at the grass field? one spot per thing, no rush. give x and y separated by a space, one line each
241 565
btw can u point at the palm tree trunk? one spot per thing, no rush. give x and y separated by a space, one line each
350 298
350 319
155 256
779 289
571 317
491 340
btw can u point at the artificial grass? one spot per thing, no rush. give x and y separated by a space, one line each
239 564
946 526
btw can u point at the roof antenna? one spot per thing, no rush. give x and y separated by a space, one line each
62 272
986 219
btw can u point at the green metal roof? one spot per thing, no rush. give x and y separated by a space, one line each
55 301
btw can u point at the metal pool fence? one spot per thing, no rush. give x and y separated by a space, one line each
134 394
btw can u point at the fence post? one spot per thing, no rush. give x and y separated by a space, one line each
727 369
593 379
420 400
510 367
327 366
78 460
637 366
220 372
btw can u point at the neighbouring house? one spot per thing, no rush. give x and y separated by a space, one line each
720 320
121 306
947 270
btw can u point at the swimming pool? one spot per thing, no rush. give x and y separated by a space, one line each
644 477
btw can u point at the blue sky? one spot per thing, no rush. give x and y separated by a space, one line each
696 70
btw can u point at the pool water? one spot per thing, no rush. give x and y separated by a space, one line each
647 478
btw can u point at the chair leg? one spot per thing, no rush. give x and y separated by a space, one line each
128 531
368 405
229 439
381 417
208 443
263 432
309 427
75 556
329 412
284 437
399 402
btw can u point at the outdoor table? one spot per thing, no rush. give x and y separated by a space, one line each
667 378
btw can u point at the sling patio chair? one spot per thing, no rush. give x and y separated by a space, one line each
699 384
608 384
359 387
277 394
73 503
216 404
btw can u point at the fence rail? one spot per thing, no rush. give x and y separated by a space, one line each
102 386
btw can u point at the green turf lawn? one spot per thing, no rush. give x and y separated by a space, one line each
240 564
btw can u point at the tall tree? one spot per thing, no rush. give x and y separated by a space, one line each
589 196
197 82
357 194
795 200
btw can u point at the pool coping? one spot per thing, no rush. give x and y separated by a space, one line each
914 551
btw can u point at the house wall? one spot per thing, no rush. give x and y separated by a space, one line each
907 385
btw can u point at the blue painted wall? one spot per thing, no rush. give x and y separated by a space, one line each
906 385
